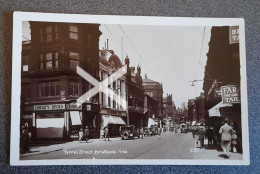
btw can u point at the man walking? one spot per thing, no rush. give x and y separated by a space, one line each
201 133
226 132
86 134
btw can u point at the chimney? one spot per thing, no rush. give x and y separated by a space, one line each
139 70
107 43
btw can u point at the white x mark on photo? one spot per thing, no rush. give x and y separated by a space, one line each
102 86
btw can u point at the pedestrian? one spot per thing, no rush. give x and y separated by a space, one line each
159 132
226 132
80 134
201 134
193 131
106 131
210 136
86 134
234 141
25 140
102 134
142 132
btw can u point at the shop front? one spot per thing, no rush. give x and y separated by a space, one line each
61 120
113 119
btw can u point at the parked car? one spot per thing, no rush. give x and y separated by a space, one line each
129 132
148 131
171 129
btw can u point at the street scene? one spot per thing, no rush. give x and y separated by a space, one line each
107 91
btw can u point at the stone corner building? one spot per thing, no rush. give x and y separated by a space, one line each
50 84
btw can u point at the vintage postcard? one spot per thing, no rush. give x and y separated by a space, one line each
122 90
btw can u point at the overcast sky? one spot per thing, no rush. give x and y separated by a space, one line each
169 54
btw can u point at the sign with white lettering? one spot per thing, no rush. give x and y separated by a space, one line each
49 107
230 94
74 106
233 34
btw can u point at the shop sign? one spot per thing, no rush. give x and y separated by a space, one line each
217 93
49 107
74 106
233 34
230 94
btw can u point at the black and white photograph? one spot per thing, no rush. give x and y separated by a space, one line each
128 90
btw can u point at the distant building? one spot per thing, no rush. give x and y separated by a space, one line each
155 90
168 111
196 109
150 109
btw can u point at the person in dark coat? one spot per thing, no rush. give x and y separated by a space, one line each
210 136
86 134
25 140
201 134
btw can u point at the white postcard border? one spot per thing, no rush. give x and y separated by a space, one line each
19 17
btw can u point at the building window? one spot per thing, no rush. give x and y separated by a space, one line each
49 61
25 63
49 88
73 88
49 33
73 32
109 102
73 59
26 91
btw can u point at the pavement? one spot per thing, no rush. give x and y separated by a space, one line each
169 146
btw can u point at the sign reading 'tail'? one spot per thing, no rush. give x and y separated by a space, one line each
230 94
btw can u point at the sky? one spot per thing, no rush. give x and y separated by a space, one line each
173 55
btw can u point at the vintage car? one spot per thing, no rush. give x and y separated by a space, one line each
148 131
129 132
171 129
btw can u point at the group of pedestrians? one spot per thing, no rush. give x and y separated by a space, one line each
227 137
84 134
104 134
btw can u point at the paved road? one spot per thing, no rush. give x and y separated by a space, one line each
170 146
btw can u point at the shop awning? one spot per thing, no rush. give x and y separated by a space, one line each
75 118
151 122
214 111
118 120
193 123
107 119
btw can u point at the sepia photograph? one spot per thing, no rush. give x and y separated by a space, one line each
128 90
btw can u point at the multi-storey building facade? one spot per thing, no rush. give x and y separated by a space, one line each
135 95
151 110
155 90
112 112
50 84
222 69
